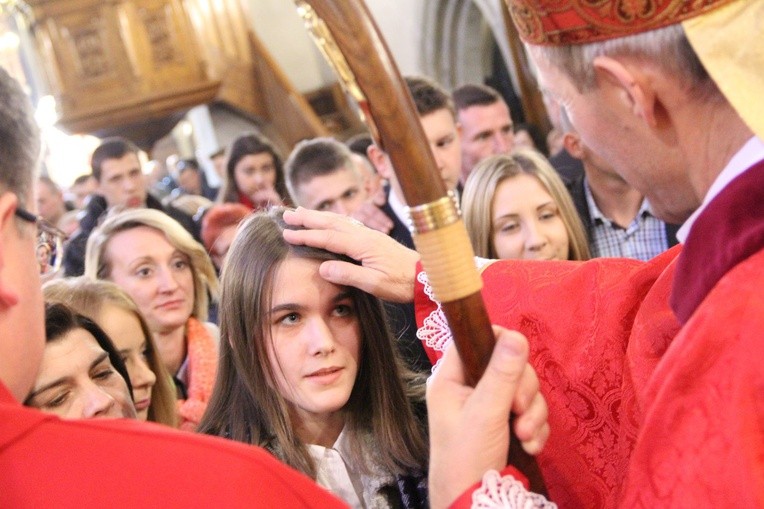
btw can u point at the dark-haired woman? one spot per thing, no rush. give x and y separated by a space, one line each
254 174
81 375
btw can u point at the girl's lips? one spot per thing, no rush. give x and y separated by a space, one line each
142 404
325 371
325 376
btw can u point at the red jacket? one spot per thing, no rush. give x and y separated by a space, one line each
49 462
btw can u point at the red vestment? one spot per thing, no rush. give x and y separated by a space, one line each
49 462
644 414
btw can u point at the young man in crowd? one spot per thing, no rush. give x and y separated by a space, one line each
81 189
117 169
50 200
322 175
438 118
485 122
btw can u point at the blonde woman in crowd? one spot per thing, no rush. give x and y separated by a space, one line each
169 276
115 312
517 207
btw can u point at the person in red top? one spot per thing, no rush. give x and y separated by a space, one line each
652 369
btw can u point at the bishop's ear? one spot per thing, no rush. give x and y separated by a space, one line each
8 203
634 85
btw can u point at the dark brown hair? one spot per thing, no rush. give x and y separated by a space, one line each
60 319
250 144
474 95
315 158
111 148
428 96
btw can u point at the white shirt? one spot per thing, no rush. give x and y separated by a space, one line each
399 208
336 473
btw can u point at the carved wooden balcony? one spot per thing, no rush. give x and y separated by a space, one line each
129 67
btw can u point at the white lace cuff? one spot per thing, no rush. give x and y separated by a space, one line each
435 331
506 493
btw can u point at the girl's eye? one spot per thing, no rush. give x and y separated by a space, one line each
143 272
290 319
343 310
548 215
445 142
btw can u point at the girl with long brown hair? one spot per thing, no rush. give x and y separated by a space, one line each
308 370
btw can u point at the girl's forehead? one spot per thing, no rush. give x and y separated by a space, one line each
297 277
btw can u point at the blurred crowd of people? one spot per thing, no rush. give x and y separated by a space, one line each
287 309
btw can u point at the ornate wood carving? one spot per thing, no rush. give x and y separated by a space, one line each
134 67
88 43
159 30
112 63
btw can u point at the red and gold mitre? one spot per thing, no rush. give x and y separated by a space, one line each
564 22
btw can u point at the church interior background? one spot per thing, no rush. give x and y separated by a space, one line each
185 77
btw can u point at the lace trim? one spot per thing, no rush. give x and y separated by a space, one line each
434 331
506 493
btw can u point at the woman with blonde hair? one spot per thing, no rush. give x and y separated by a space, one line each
308 370
516 206
169 276
115 312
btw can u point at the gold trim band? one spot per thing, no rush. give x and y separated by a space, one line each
434 215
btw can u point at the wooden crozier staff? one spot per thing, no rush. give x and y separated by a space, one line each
347 35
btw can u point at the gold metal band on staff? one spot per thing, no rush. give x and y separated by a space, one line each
447 255
434 215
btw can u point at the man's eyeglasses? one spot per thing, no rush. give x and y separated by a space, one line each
49 249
